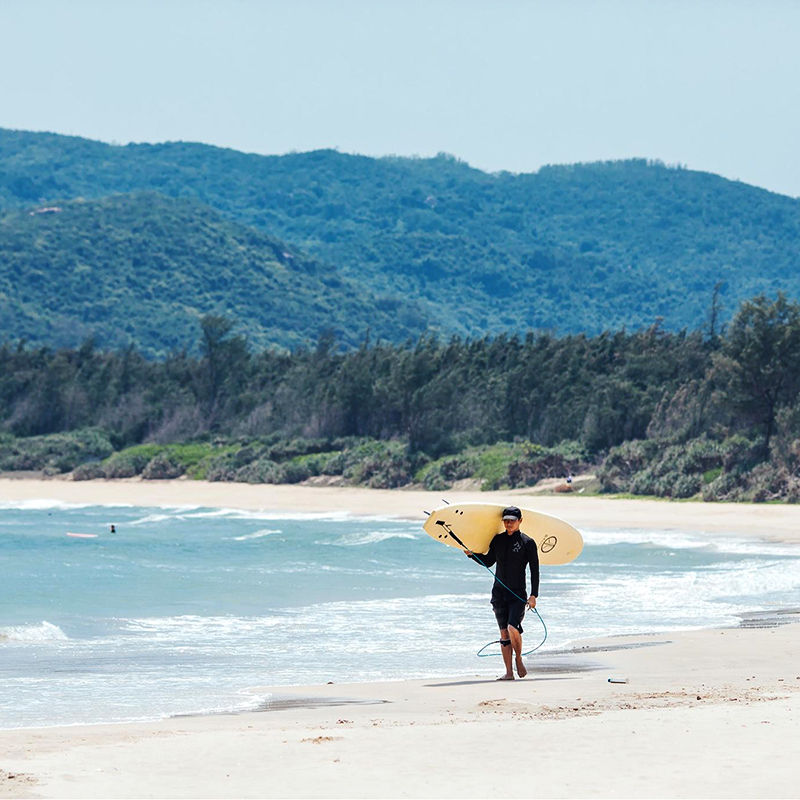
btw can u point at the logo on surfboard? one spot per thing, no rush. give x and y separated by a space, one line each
548 543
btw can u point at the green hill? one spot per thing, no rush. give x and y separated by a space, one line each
144 268
580 248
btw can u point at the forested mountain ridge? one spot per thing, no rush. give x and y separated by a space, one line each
582 248
144 268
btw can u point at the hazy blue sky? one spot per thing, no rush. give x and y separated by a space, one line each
503 85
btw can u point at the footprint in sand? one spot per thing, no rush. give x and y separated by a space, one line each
321 739
506 705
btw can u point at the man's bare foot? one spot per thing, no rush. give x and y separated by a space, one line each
521 671
507 677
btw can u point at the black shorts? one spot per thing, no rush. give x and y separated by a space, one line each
508 608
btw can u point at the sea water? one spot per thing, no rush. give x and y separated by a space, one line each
185 610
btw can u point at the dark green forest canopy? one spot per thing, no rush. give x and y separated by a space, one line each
438 396
145 268
582 248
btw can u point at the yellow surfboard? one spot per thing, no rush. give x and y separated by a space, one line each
472 526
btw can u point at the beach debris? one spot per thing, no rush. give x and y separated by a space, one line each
617 680
18 777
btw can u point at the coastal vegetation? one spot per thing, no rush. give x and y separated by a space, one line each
712 414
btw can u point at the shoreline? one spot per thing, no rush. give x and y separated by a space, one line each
564 660
774 523
702 713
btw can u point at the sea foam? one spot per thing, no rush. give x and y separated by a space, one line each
44 632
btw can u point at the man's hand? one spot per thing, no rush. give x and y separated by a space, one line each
468 552
532 601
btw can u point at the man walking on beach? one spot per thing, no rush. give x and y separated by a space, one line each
513 551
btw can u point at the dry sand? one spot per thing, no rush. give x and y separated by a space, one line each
704 714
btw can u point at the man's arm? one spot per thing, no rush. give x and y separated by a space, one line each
533 562
487 560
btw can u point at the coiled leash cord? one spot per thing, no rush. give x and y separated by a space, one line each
480 652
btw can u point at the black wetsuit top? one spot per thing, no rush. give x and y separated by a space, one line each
513 552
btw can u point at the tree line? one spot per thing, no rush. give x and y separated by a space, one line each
438 397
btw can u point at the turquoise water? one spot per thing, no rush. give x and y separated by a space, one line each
185 609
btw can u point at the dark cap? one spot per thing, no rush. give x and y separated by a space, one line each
512 512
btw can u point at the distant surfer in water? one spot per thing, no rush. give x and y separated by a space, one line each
513 551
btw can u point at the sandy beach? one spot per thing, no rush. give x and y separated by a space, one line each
710 713
703 714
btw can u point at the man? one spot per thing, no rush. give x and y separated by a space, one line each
513 551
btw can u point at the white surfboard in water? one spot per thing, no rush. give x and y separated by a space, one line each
476 524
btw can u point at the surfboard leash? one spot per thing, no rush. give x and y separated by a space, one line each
480 652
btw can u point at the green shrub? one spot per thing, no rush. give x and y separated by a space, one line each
93 470
725 487
681 470
163 466
740 453
381 465
504 464
263 470
242 467
54 453
493 464
686 485
529 471
623 462
221 470
288 449
572 451
701 455
643 483
131 461
766 482
335 464
294 472
440 474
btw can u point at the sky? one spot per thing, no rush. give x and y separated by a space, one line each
502 84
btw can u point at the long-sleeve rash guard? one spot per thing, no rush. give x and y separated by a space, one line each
513 553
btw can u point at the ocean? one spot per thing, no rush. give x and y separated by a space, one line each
185 610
